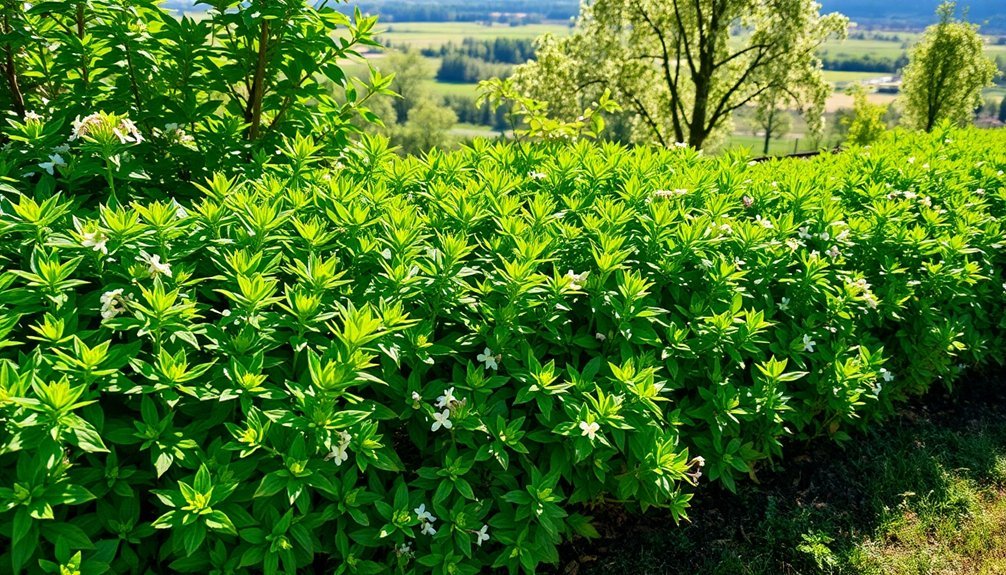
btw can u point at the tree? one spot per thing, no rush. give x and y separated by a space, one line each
428 127
946 72
1002 110
412 76
684 66
867 122
772 118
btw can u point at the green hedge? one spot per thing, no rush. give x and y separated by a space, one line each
443 364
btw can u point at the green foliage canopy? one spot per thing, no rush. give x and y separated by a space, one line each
946 72
365 364
684 67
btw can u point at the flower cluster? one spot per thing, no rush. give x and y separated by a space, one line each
120 126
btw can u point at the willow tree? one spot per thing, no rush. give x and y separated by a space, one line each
684 66
946 72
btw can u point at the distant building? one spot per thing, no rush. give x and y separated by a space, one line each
886 85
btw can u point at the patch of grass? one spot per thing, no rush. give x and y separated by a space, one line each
777 147
924 495
837 77
435 34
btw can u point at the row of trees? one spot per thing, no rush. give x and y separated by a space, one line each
682 69
462 69
865 63
500 11
495 50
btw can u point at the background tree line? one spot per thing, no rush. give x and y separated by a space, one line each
502 11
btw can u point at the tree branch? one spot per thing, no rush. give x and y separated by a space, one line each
17 99
654 127
254 111
666 65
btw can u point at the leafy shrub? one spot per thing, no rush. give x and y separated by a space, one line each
206 94
867 123
363 363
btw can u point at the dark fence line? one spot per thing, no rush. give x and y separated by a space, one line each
835 150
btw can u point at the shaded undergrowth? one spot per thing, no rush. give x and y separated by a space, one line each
923 494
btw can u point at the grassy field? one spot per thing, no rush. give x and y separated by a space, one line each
837 77
755 144
924 495
420 35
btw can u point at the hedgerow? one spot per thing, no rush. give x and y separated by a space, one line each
364 363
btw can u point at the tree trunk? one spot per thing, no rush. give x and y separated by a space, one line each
84 74
254 112
17 99
697 132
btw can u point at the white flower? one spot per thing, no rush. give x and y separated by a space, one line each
127 132
488 358
537 176
404 549
95 240
590 429
871 300
764 222
441 419
886 375
482 535
578 279
423 515
447 399
82 127
808 344
910 195
112 304
926 201
804 233
339 453
784 304
416 397
825 236
833 251
725 228
55 161
793 244
155 266
428 529
980 191
670 193
176 134
180 211
32 116
680 145
911 160
601 337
